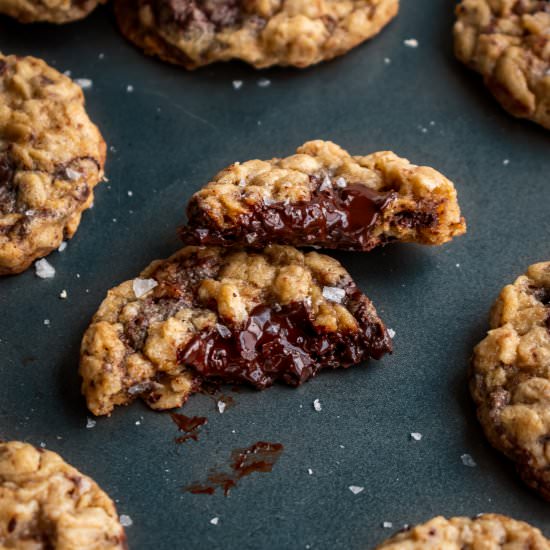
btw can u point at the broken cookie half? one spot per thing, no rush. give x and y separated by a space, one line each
235 316
322 196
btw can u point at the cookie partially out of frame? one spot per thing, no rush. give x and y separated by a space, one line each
51 158
486 531
228 315
508 42
510 376
48 11
46 503
322 196
300 33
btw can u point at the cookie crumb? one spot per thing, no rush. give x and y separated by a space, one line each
411 43
125 521
84 83
63 294
44 269
221 406
391 333
416 436
62 246
467 460
387 524
264 82
237 84
215 521
143 286
356 489
317 405
90 423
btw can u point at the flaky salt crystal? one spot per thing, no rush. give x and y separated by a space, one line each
215 521
90 423
62 246
334 294
391 332
143 286
44 269
317 405
356 489
84 83
417 436
125 521
411 43
237 84
387 524
221 406
467 460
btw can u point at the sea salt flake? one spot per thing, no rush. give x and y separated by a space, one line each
264 82
317 405
125 521
341 182
63 294
223 331
143 286
387 60
310 471
44 269
43 445
138 388
237 84
90 423
467 460
46 322
84 83
72 174
391 333
387 524
221 406
101 56
326 185
411 43
356 489
129 88
417 436
506 162
215 521
130 193
67 73
62 246
334 294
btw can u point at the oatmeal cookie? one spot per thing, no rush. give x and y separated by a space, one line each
300 33
46 503
508 42
510 376
486 531
229 315
51 158
322 196
49 11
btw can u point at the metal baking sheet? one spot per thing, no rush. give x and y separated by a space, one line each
167 138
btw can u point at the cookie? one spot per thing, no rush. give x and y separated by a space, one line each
228 315
322 196
484 531
51 158
263 33
48 11
46 503
508 42
510 376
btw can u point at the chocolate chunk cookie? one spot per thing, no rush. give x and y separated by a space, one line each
50 11
300 33
510 376
508 42
322 196
46 503
228 315
485 531
51 158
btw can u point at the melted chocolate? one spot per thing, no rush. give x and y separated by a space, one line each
260 457
7 191
335 216
281 343
189 425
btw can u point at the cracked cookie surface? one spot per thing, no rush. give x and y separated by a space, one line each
51 158
46 503
508 42
510 376
461 533
228 315
260 32
49 11
322 196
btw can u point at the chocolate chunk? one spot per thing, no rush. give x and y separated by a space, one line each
7 191
198 15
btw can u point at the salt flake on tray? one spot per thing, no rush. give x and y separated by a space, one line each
387 524
44 269
391 332
264 82
84 83
237 84
416 436
62 246
221 406
63 294
143 286
411 43
467 460
125 521
215 521
356 489
90 423
317 405
334 294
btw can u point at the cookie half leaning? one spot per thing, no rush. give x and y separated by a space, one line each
300 33
322 196
508 42
230 315
51 158
46 503
510 376
484 531
48 11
